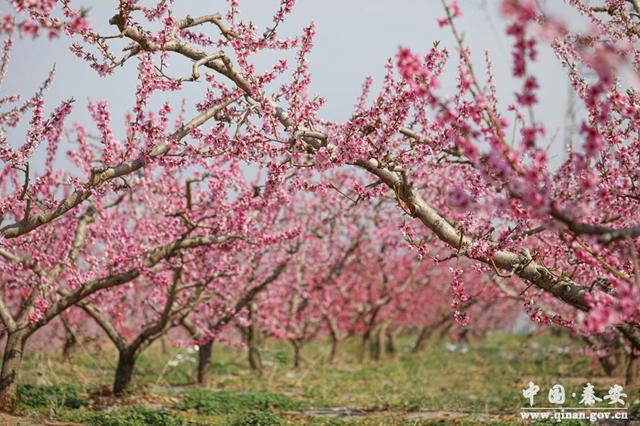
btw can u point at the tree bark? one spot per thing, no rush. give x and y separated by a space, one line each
253 336
633 368
163 345
335 339
204 362
423 338
70 346
297 353
445 330
11 361
365 347
374 346
255 362
378 349
392 342
607 365
124 371
335 348
70 341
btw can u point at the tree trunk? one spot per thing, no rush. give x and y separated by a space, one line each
374 346
70 340
204 362
255 362
163 345
253 336
463 336
392 342
614 355
380 343
633 368
70 344
365 348
11 361
335 348
124 371
618 358
445 330
607 365
335 341
423 338
297 353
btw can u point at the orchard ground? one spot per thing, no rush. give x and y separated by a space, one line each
442 385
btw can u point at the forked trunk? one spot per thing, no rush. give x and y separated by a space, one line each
11 361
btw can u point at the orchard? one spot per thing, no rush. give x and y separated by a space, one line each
213 241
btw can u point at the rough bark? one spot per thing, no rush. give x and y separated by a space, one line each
253 342
255 362
204 363
124 372
70 341
11 361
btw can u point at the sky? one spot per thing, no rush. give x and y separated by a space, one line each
354 40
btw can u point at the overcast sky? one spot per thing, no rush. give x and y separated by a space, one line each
354 40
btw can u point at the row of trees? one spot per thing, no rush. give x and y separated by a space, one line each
252 210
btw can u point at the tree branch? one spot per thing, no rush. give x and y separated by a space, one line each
153 257
98 179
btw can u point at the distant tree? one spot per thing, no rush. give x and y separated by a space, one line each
468 172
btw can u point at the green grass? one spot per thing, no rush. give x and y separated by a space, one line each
488 379
256 418
224 402
129 416
67 396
